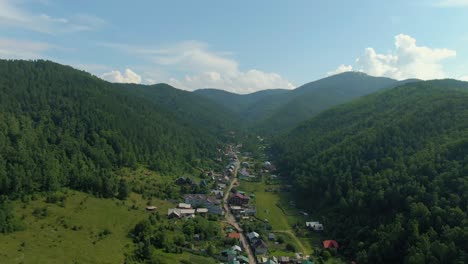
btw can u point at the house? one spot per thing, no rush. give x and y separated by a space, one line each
239 199
184 206
234 235
260 247
202 210
283 260
253 236
218 194
178 213
173 213
330 244
229 254
221 186
265 260
250 211
151 208
235 209
271 237
236 248
202 200
315 226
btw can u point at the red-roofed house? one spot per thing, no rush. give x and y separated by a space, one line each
234 235
330 244
239 199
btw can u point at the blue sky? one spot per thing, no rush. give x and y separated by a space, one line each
240 46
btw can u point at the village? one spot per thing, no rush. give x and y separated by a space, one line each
252 237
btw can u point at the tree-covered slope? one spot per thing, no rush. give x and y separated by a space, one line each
194 109
63 127
240 103
312 98
388 173
273 111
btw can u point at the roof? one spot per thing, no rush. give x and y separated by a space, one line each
151 207
184 205
271 235
241 196
234 235
259 244
330 244
283 259
202 210
236 248
235 207
253 235
174 211
187 211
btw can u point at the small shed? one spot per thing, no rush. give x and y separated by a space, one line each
271 236
151 208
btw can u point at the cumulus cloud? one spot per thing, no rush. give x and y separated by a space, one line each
128 76
452 3
12 14
202 68
342 68
407 60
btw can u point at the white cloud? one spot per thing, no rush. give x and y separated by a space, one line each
408 60
464 78
12 14
201 68
342 68
128 76
452 3
18 49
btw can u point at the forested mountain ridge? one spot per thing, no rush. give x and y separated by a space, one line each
64 127
387 173
274 111
239 103
195 109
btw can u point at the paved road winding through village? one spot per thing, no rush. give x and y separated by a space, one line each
232 220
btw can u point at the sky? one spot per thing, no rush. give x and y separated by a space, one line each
240 46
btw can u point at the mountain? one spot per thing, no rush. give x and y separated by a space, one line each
195 109
387 173
64 127
239 103
312 98
273 111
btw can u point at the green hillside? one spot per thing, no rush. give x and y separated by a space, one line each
241 103
387 174
273 111
194 109
63 127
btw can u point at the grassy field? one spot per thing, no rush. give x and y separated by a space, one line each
82 229
280 221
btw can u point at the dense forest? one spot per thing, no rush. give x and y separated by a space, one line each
388 173
63 127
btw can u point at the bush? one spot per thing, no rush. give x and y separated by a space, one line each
290 247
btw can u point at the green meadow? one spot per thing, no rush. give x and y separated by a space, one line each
79 229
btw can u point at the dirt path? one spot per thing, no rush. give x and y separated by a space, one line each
232 220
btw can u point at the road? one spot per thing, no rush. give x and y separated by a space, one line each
232 220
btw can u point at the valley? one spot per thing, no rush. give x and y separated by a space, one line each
347 168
